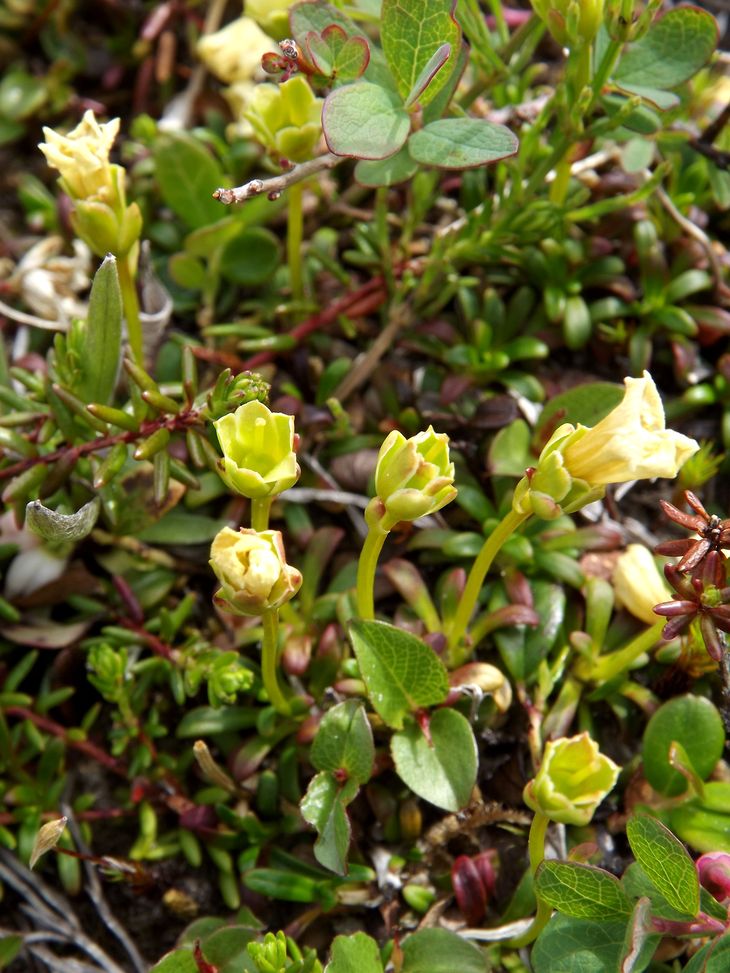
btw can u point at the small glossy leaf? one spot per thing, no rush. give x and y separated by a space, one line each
411 32
52 526
441 951
400 671
509 454
522 649
364 121
582 891
461 143
587 404
674 49
103 335
207 720
665 860
336 55
569 945
344 742
178 961
640 943
323 807
357 953
10 946
704 823
691 721
441 770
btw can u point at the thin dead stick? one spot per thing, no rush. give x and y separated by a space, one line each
367 363
277 184
698 234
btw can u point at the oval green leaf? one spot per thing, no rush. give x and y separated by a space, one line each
411 34
582 891
461 143
400 671
569 945
691 721
666 862
344 742
364 121
357 953
441 951
442 770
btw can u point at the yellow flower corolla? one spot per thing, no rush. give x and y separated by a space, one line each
82 157
258 451
251 567
638 583
234 53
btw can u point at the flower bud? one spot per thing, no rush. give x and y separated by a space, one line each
258 451
286 118
82 157
573 779
630 443
713 870
571 22
234 53
251 567
638 583
413 477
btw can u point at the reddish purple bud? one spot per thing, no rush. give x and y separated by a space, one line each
713 870
469 890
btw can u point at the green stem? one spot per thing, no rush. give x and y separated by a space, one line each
536 846
294 237
609 666
130 304
467 603
269 662
366 567
608 62
260 513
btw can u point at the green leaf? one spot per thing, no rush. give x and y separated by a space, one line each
323 806
587 404
364 121
316 16
411 32
10 946
429 71
704 823
276 883
344 742
336 55
251 257
357 953
400 671
569 945
188 175
386 172
441 770
582 891
67 528
664 100
178 961
509 454
102 335
461 143
640 943
207 721
665 860
226 949
522 649
441 951
674 49
182 527
691 721
712 958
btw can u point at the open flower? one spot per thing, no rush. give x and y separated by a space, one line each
82 156
258 451
415 476
573 779
251 567
234 53
638 583
630 443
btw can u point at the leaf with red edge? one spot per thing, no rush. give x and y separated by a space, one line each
337 56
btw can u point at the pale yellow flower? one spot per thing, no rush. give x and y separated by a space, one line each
234 53
251 567
631 443
272 15
638 583
82 157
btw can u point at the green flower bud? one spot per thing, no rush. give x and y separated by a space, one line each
570 21
251 567
286 118
573 779
258 451
413 477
